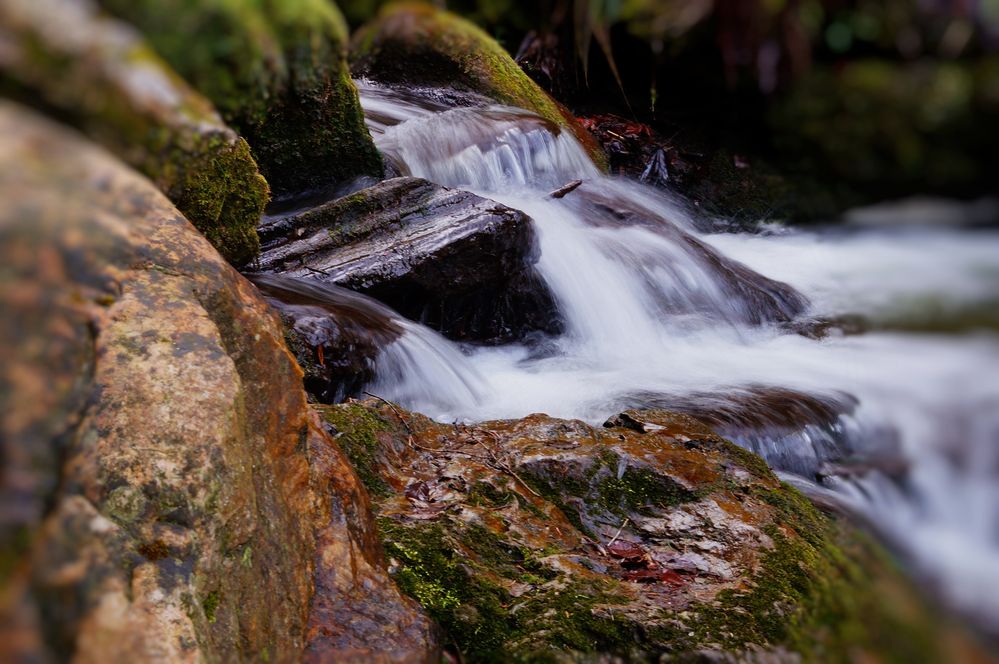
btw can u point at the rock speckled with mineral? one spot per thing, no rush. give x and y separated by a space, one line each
167 493
552 540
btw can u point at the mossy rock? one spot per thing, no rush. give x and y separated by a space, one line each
416 43
277 71
97 74
551 540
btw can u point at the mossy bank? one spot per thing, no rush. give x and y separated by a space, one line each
550 540
277 71
99 75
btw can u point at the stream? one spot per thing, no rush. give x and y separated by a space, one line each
870 382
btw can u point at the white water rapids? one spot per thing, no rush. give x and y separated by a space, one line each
650 322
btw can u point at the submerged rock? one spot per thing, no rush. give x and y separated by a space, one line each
98 74
416 44
335 334
551 540
455 261
166 492
749 296
277 70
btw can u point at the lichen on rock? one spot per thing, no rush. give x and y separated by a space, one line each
98 74
167 491
552 540
277 71
418 44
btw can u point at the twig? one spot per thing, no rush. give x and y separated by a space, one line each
503 466
562 191
393 407
316 270
618 533
596 545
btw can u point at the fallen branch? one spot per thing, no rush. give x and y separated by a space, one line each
394 408
618 533
501 465
562 191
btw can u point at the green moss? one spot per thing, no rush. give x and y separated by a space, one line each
277 71
180 144
359 428
415 42
211 604
812 597
451 570
14 546
640 490
223 194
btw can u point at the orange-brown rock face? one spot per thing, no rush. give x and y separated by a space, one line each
648 539
166 492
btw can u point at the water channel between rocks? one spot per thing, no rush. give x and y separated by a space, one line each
893 419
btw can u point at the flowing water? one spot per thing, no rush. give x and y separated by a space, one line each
893 414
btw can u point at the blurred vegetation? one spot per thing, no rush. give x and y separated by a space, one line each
851 101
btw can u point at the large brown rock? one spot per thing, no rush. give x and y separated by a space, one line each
455 261
166 492
648 539
98 74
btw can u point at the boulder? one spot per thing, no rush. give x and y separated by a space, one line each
277 70
455 261
651 539
166 493
417 44
98 74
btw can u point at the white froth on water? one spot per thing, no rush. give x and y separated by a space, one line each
647 314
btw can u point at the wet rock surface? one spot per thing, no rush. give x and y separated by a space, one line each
335 334
166 492
650 539
754 298
447 258
100 75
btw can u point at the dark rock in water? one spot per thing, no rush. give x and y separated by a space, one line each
335 333
448 258
542 539
752 297
166 494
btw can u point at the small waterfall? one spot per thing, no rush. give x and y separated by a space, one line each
903 428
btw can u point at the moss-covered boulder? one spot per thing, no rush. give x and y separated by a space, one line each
551 540
98 74
166 493
277 71
415 43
